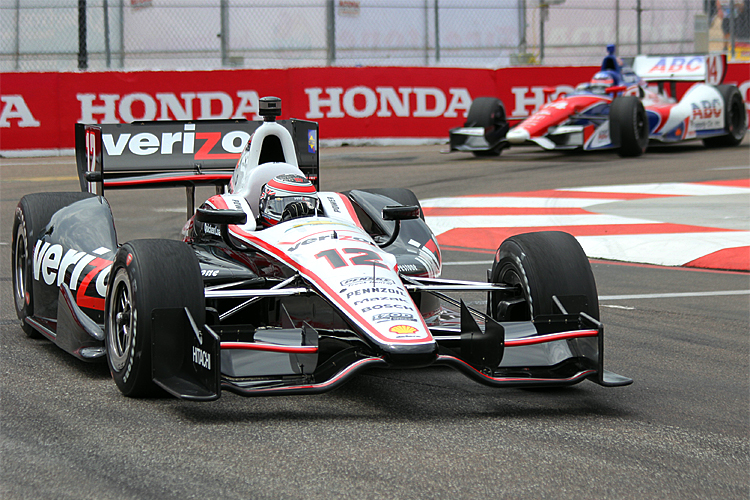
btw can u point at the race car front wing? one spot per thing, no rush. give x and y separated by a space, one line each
195 364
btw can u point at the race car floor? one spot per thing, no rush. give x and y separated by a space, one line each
704 224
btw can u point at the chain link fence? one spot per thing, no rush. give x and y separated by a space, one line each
65 35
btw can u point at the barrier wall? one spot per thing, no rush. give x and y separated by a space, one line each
372 104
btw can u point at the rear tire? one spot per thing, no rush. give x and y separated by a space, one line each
628 126
33 213
543 264
146 275
489 113
735 119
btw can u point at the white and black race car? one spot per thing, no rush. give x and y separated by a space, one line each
277 287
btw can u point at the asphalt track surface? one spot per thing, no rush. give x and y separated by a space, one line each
682 430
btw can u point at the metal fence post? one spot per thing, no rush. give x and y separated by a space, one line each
732 25
83 56
330 33
17 48
224 35
426 33
122 33
521 27
106 34
543 10
638 12
617 24
437 33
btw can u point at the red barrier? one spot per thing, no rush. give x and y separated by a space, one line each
39 109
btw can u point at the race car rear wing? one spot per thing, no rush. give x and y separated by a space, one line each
696 68
177 153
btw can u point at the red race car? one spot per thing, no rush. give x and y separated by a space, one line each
621 108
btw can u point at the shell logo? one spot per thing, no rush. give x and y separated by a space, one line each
401 329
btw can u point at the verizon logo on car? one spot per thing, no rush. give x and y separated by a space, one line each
184 142
52 263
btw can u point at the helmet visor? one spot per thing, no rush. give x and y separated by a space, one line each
275 205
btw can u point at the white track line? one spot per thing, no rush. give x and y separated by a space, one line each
677 295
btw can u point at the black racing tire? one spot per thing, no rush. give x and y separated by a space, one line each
489 113
33 213
146 275
543 264
735 119
485 112
403 196
628 126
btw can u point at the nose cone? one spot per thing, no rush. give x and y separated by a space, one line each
517 136
416 356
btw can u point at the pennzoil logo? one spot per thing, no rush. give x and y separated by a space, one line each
402 329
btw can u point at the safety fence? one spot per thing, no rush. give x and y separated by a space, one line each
65 35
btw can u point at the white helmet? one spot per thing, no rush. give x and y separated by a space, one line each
287 196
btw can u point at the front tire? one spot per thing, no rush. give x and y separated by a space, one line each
489 113
33 213
628 125
735 119
541 265
146 275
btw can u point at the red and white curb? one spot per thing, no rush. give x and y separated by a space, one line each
481 223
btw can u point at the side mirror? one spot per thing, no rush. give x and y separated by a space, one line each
211 216
93 176
397 214
616 89
223 218
400 212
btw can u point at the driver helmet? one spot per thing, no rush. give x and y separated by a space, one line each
281 192
604 79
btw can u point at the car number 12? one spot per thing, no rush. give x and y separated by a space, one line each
357 257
